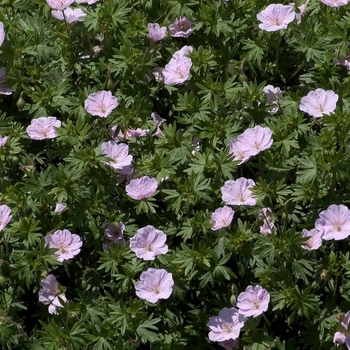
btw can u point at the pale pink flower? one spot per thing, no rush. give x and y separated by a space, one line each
59 4
238 192
229 344
118 152
154 284
43 128
141 188
5 216
61 208
2 33
4 90
3 141
340 338
89 2
148 243
319 102
226 325
177 71
156 32
50 294
222 217
128 134
181 28
114 234
302 9
335 3
178 68
69 15
314 241
254 301
251 142
268 225
67 244
273 94
101 104
276 17
334 223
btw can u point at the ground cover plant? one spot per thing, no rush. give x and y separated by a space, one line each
174 174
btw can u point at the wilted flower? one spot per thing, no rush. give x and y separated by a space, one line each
302 9
276 17
254 301
128 134
141 188
43 128
181 28
101 104
61 208
273 95
319 102
178 69
268 225
334 223
148 243
3 141
5 216
154 284
118 152
49 294
115 234
158 74
238 192
226 325
156 32
222 217
59 4
2 33
69 15
335 3
314 241
67 244
229 344
158 121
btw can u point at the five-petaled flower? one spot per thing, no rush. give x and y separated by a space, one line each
276 17
148 243
254 301
178 68
314 239
59 4
69 15
334 223
43 128
118 152
222 217
141 188
319 102
101 104
181 28
5 216
251 142
156 32
226 325
238 192
154 284
50 294
67 244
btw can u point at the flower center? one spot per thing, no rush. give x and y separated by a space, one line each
256 304
227 328
62 248
337 226
156 289
102 108
149 247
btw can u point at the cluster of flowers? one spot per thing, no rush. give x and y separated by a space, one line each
181 28
333 223
225 327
